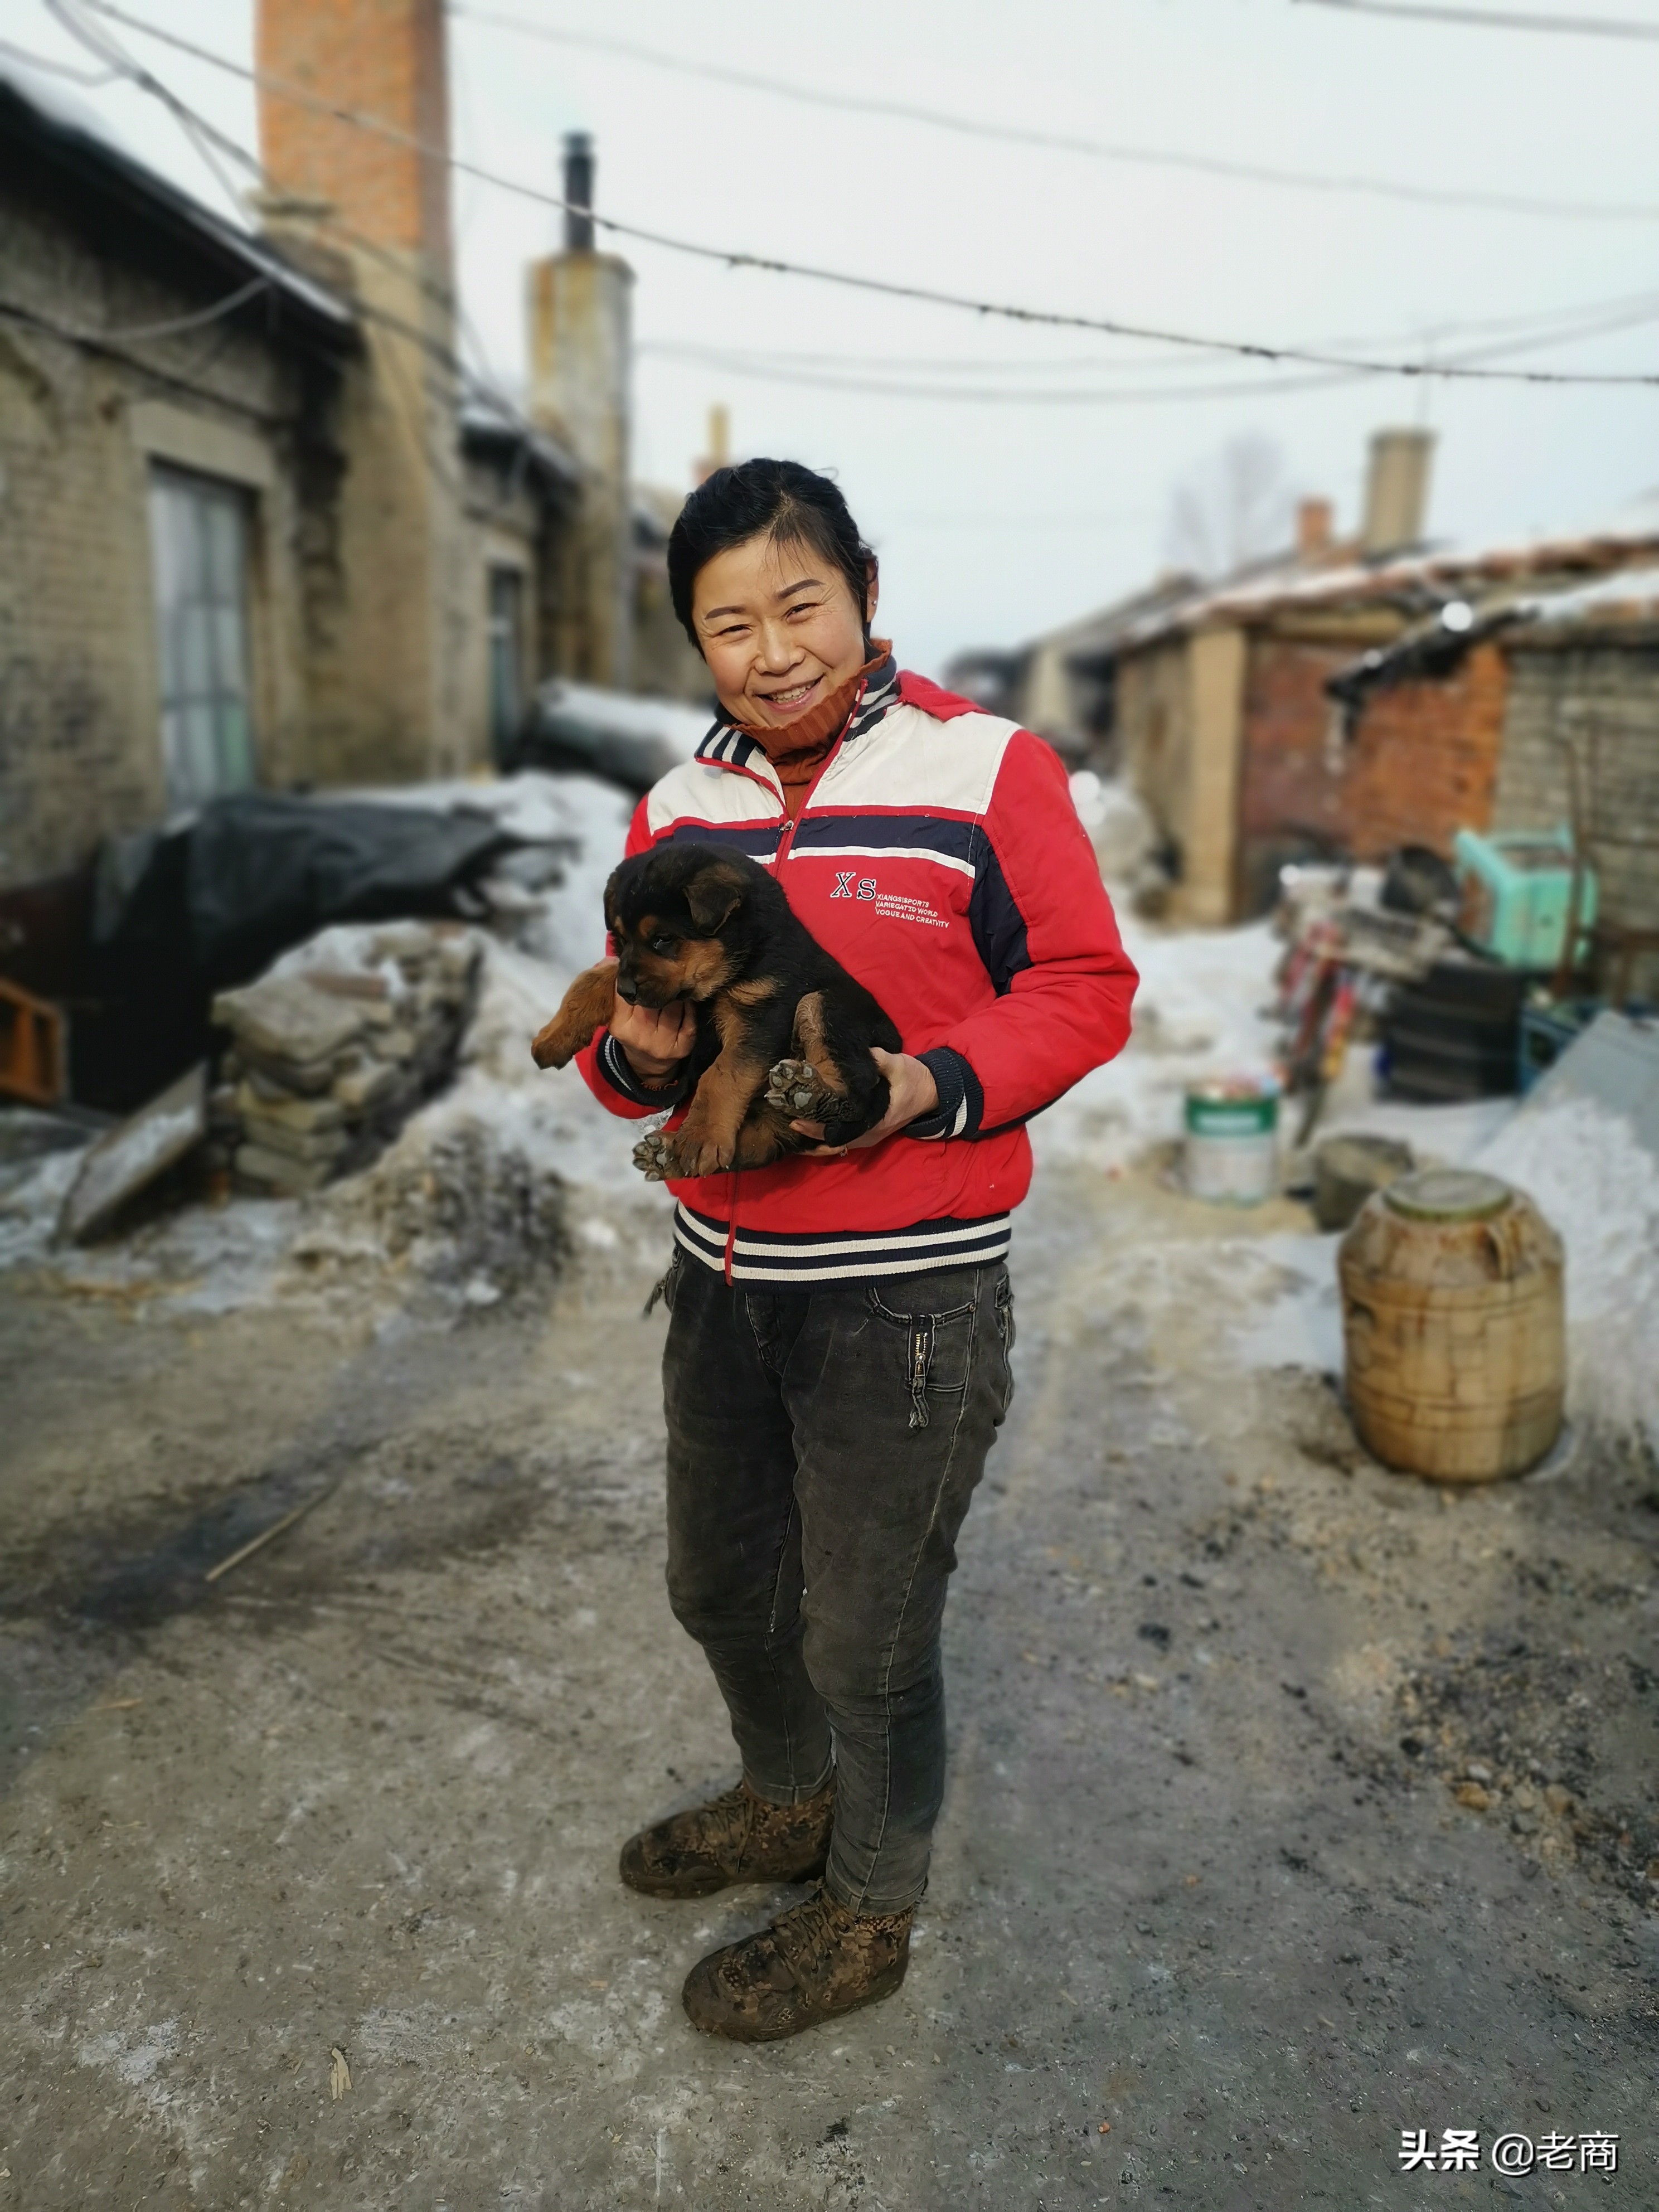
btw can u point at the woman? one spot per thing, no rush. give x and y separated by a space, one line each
837 1365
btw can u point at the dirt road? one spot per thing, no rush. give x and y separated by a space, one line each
1208 1925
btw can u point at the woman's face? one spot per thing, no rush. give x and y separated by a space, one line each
779 628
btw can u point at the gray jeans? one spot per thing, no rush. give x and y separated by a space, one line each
823 1446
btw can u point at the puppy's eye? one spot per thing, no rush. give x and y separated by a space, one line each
664 944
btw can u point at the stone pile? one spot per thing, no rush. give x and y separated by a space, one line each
334 1047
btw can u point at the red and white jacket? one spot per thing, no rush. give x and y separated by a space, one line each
937 855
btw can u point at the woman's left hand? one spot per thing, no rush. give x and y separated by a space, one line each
912 1093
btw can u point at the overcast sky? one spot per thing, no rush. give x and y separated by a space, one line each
997 520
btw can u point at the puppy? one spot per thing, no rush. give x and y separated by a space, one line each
783 1031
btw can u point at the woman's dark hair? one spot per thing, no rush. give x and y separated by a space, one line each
779 500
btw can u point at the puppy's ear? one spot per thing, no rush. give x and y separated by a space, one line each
713 895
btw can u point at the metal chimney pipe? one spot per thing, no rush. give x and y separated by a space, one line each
578 192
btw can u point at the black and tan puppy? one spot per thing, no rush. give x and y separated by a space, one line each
783 1031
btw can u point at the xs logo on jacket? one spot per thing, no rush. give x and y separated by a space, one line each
866 888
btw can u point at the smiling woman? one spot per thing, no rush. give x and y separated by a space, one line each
837 1361
777 590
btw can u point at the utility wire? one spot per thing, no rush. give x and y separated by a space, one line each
171 328
1098 149
771 370
204 135
776 367
1547 324
733 257
1497 19
94 78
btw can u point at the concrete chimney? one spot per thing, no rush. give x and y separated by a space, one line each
386 700
1313 530
1396 490
580 338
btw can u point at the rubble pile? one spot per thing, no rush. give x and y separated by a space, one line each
334 1047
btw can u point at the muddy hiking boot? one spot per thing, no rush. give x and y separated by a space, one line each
813 1964
738 1838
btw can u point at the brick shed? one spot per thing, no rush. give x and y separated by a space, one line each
1251 720
1493 728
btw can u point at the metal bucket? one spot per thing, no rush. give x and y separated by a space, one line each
1232 1141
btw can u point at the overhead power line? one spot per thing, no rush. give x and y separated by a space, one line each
1500 19
826 375
883 288
1098 150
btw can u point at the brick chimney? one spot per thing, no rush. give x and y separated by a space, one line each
1396 490
1314 536
581 343
388 617
382 57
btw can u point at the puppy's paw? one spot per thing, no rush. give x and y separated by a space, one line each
655 1158
706 1158
796 1088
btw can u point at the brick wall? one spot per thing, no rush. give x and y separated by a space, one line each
1607 697
383 57
1291 798
1422 763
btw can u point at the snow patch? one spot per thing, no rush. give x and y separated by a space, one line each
1598 1188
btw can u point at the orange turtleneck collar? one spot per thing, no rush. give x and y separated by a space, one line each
798 750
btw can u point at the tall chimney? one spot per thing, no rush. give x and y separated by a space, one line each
1396 490
581 342
385 698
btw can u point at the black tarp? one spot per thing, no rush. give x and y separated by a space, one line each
179 914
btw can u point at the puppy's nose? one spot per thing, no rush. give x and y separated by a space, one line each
626 989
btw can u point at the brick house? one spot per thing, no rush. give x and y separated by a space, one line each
1228 728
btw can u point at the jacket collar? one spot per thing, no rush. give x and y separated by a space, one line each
728 746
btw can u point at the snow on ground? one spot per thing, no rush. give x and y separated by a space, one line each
1202 1010
506 1135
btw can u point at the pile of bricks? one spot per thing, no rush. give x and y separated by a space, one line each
332 1050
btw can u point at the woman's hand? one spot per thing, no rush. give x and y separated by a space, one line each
912 1093
655 1039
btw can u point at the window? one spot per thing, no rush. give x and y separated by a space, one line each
198 539
506 660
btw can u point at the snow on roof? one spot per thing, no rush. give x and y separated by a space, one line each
55 113
1627 595
1425 572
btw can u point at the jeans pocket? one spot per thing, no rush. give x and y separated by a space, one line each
937 1345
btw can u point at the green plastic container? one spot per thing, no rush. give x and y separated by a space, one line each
1517 893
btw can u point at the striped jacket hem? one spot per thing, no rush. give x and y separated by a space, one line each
761 1256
